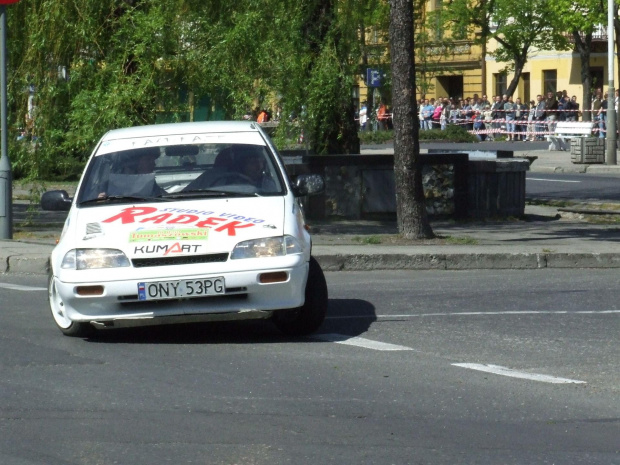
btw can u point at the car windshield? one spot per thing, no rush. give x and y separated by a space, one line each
178 171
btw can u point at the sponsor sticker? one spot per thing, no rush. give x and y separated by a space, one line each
166 249
155 235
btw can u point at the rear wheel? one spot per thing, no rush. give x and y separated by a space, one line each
307 318
67 326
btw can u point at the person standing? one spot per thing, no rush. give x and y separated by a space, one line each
484 101
563 102
570 108
363 116
602 118
427 114
454 113
551 109
497 112
382 116
596 106
520 120
509 114
420 113
531 121
539 117
445 114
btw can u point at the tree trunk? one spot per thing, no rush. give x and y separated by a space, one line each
584 46
410 206
519 65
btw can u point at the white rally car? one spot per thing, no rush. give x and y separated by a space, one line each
185 222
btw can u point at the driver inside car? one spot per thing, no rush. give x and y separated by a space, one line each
136 175
252 166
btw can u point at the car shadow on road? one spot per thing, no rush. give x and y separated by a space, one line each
347 317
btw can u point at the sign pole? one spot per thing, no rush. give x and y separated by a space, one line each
610 148
6 187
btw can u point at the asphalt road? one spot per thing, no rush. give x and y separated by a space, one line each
393 377
574 187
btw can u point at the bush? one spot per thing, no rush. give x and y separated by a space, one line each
453 133
375 137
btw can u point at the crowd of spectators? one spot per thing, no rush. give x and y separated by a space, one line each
515 119
504 115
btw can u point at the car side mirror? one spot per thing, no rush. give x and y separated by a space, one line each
308 184
58 200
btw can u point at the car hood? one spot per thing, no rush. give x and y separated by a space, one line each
188 227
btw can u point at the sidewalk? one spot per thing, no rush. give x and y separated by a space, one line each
545 238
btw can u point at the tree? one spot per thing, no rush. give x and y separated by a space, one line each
518 27
410 206
581 18
133 62
472 19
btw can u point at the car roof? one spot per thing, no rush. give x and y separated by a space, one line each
153 130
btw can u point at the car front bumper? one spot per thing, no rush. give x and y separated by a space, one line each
246 298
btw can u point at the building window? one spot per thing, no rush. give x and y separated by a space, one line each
550 81
500 83
597 76
439 26
525 84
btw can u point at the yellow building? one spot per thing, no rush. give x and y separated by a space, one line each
458 69
548 70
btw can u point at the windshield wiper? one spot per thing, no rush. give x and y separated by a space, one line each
123 198
197 193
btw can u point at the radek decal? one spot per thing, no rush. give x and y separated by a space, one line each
141 214
155 235
166 249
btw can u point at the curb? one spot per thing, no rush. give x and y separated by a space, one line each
464 261
24 264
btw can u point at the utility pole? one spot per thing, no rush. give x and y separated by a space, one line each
6 178
610 143
6 187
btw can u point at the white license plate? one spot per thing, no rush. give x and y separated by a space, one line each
183 288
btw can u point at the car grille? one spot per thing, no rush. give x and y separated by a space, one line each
184 260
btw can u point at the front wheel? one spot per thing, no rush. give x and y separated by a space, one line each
67 326
307 318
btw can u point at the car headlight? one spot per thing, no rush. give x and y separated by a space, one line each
267 247
86 259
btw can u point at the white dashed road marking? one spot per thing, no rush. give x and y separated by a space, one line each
359 342
550 180
503 371
519 312
17 287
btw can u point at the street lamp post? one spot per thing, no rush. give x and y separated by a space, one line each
6 188
6 178
610 148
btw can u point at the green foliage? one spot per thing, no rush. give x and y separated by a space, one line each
375 137
135 62
452 133
518 28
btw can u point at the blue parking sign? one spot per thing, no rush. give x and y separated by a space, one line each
373 77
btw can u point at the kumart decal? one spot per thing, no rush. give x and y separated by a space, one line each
155 235
166 249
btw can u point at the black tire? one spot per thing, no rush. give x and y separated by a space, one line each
310 316
68 327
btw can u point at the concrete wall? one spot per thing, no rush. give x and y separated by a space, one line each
362 186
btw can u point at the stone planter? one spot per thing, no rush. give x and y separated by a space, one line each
587 150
